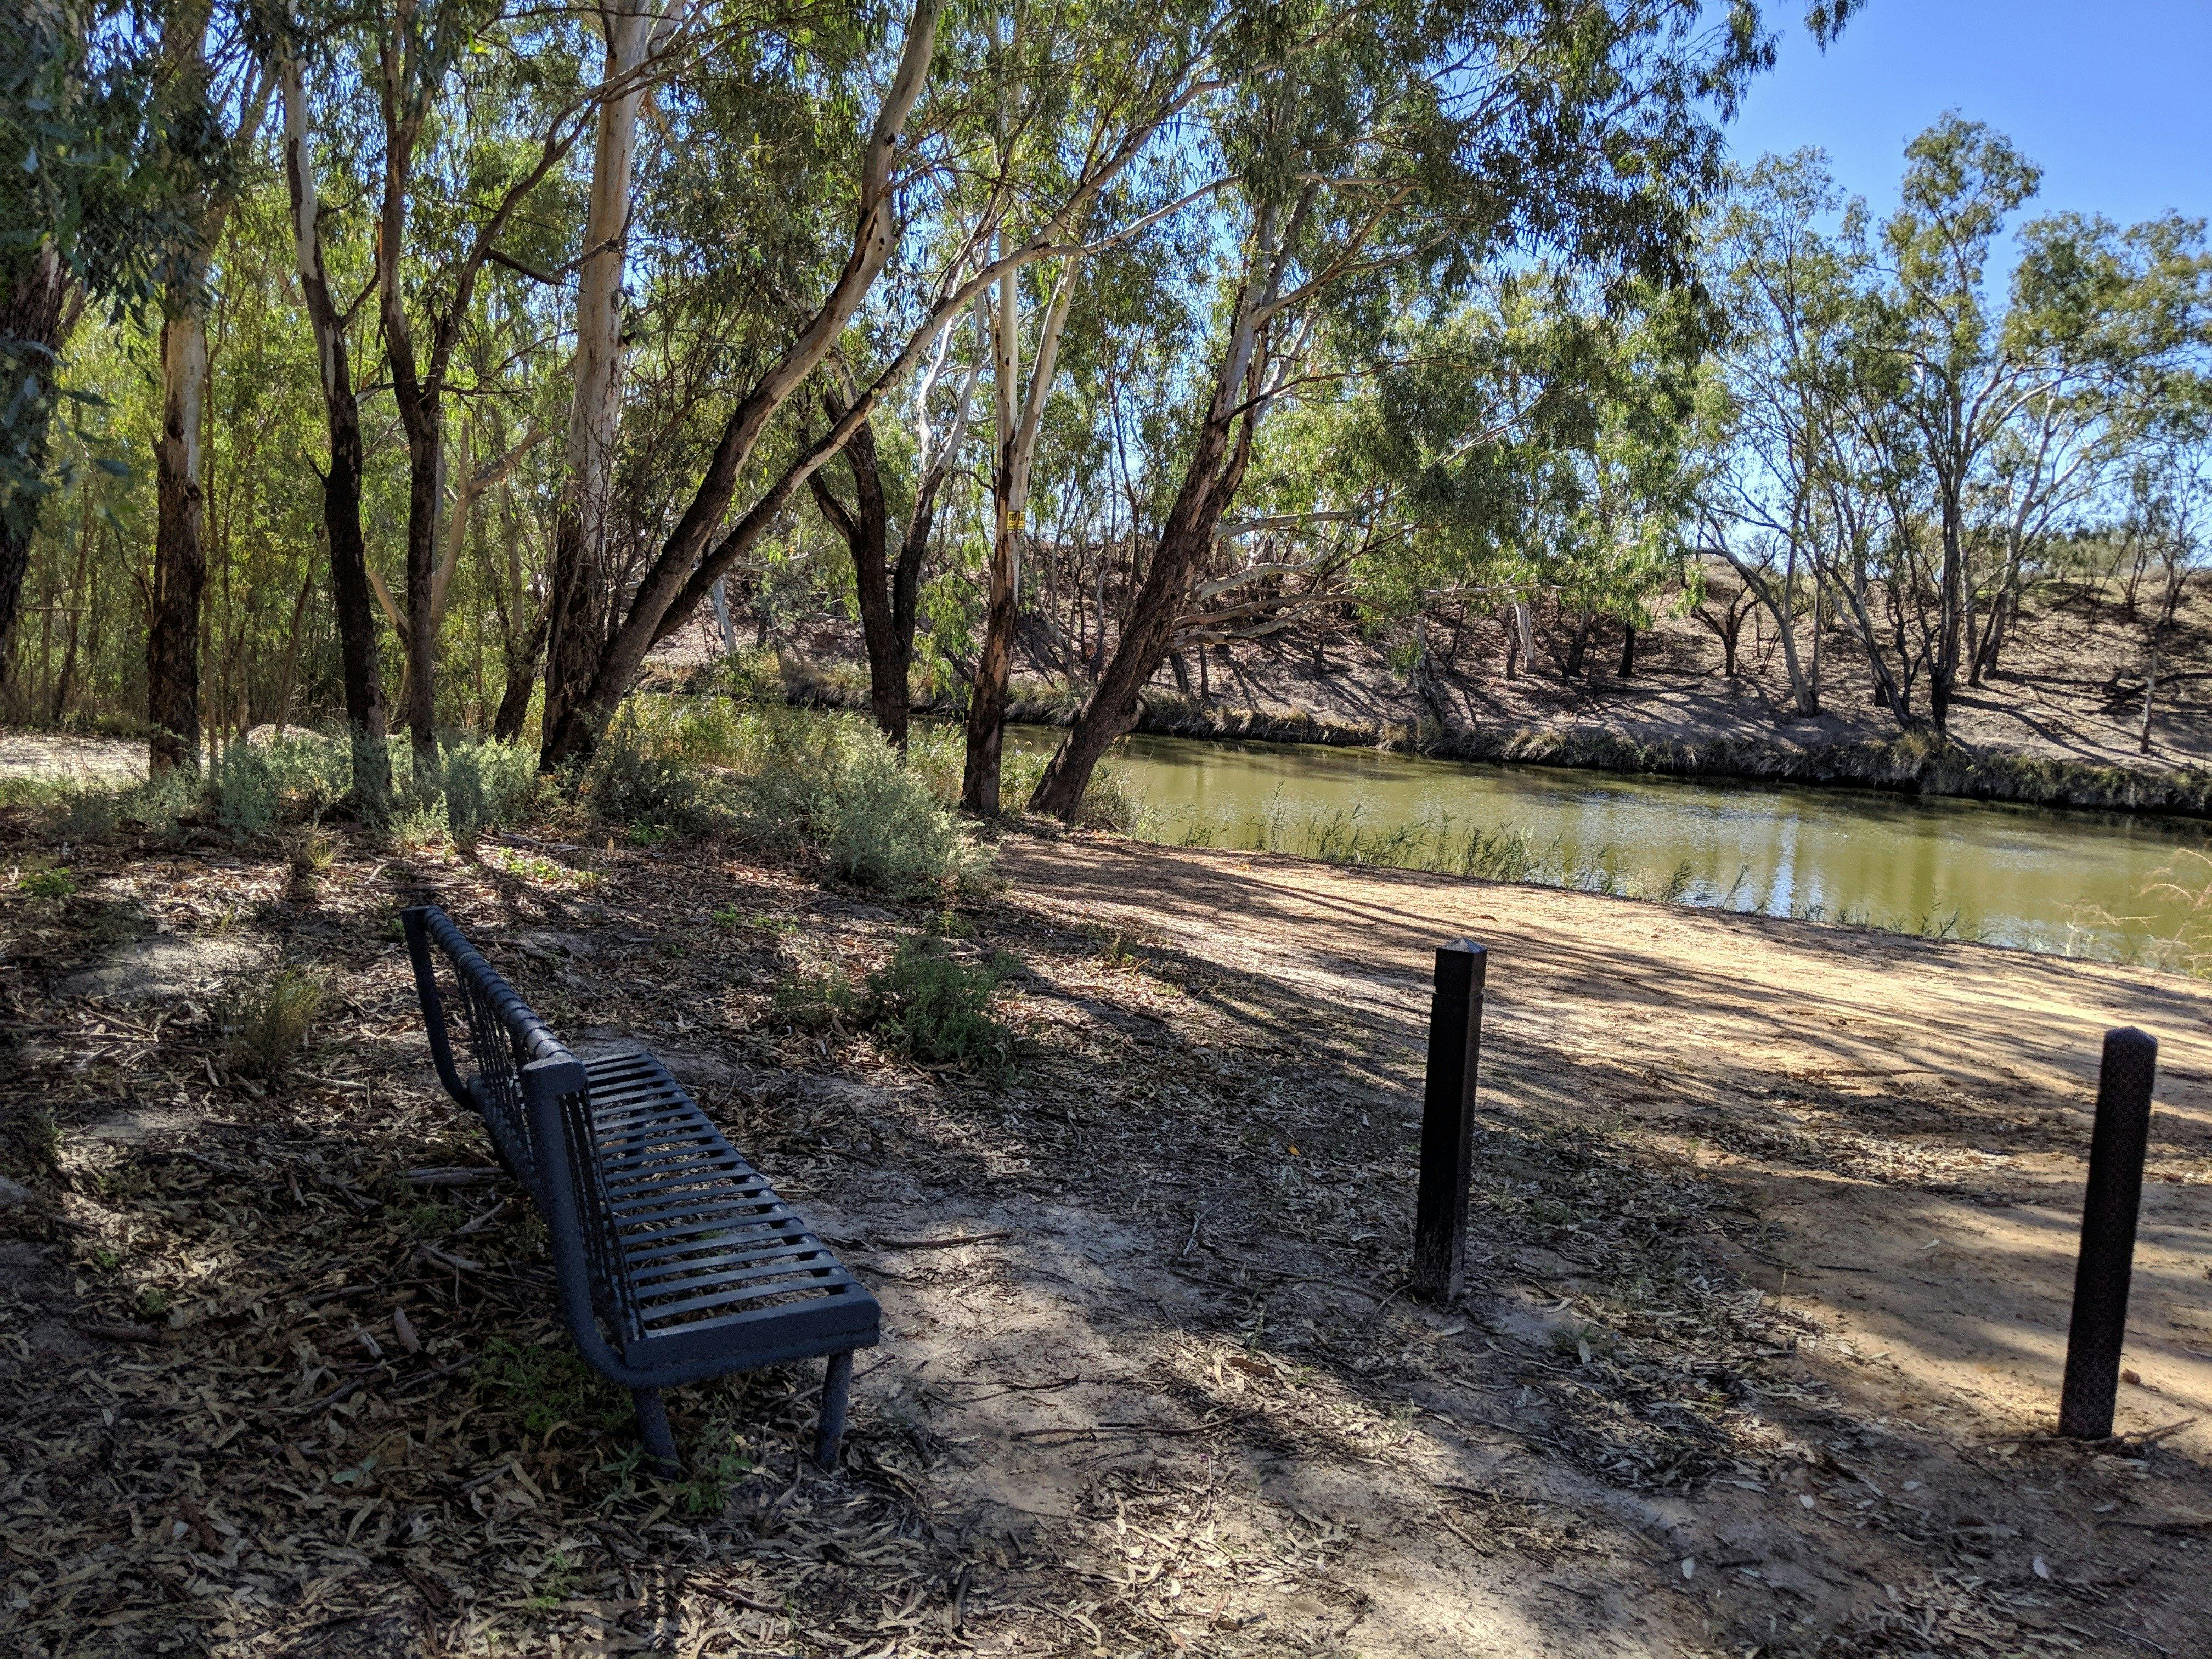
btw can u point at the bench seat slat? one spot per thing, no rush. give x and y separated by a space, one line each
668 1267
785 1233
731 1296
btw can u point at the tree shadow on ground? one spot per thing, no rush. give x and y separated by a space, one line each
1206 1173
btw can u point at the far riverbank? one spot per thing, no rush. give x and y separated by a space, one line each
1912 764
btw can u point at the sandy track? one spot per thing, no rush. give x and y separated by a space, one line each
1916 1116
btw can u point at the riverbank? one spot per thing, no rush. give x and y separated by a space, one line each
2059 722
1914 765
1771 1235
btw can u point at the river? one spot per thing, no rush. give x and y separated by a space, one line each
2080 883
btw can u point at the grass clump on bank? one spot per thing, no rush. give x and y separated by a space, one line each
825 786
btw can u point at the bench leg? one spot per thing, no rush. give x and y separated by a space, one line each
836 1387
659 1442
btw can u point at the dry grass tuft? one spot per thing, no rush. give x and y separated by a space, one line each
265 1023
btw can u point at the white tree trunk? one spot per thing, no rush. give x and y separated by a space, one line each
579 580
595 413
722 617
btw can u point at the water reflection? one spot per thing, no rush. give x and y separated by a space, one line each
2078 883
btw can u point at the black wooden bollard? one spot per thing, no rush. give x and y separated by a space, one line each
1448 1122
2108 1235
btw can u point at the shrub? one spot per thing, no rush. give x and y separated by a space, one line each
1020 771
160 802
242 793
546 1387
881 827
927 1005
754 679
39 1140
464 796
313 852
832 784
630 782
815 1002
1112 803
936 753
88 814
265 1023
54 882
487 784
310 770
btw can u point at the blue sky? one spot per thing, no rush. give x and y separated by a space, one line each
2111 98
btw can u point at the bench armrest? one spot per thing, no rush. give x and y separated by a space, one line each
414 921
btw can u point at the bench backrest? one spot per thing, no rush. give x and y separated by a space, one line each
515 1053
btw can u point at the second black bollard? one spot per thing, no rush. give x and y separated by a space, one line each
1448 1122
2108 1235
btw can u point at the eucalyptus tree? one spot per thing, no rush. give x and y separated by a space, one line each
331 321
101 155
692 558
1382 156
889 549
468 136
2115 325
1787 295
1073 97
1537 443
1899 430
1955 383
206 68
633 33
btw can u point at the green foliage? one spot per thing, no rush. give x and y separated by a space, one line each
548 1386
877 824
52 881
928 1006
242 796
718 1460
464 796
38 1138
631 780
823 784
1111 802
754 679
102 154
313 854
925 1004
815 1002
554 1582
265 1022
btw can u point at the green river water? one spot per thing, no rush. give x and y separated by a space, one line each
2080 883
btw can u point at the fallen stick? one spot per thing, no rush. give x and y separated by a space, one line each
1211 1423
942 1243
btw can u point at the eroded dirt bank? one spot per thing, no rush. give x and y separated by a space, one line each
1773 1227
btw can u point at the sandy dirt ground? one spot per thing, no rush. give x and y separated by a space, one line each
63 757
1771 1248
1911 1123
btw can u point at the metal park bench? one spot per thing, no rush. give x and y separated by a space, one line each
661 1230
